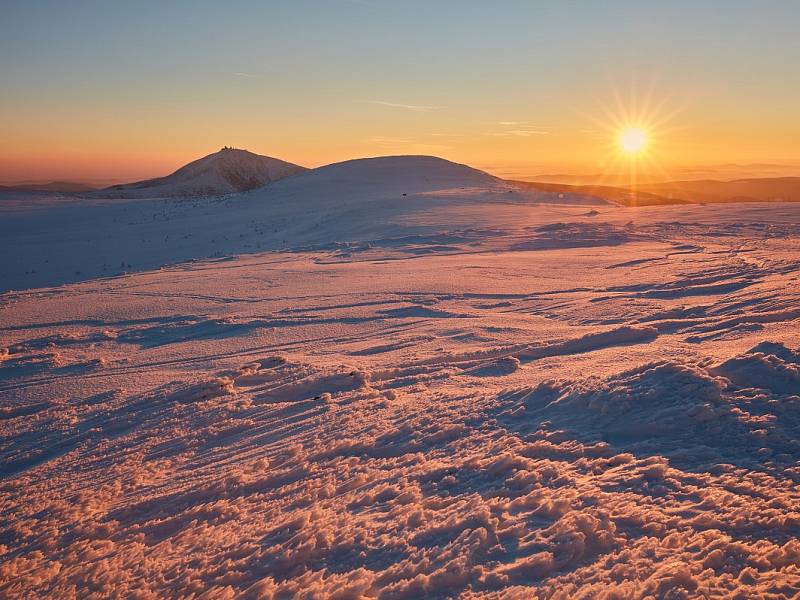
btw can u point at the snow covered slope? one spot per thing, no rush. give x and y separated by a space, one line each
378 201
487 398
225 172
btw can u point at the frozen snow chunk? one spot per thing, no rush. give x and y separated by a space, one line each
206 390
495 368
769 365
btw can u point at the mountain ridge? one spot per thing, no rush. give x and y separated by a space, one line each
231 171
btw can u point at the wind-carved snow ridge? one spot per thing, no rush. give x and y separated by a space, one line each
473 395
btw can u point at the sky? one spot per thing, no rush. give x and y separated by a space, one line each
103 90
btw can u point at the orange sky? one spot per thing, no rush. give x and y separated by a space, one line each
133 92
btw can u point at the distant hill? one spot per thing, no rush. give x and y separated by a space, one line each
393 174
772 189
617 195
66 187
409 178
225 172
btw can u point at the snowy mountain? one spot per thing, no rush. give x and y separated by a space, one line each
225 172
366 201
394 174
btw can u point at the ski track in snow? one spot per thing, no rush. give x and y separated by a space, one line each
501 401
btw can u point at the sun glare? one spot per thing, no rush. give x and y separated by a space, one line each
633 140
634 135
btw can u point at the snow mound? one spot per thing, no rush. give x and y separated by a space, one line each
769 365
228 171
683 411
651 400
391 175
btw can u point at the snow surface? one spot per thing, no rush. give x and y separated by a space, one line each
52 241
225 172
467 391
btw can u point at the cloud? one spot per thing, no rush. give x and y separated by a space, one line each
387 141
414 107
405 145
519 133
243 74
523 129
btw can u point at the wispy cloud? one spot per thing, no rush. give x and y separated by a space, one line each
388 141
519 133
243 74
405 145
414 107
522 129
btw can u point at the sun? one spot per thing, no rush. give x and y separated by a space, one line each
633 135
632 140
